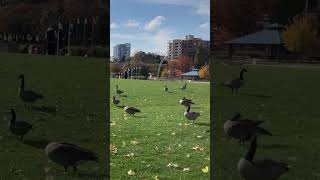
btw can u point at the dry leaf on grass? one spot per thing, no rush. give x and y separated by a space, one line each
113 149
129 155
186 169
134 142
156 178
205 170
198 148
172 165
131 173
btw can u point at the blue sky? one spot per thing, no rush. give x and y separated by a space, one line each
149 24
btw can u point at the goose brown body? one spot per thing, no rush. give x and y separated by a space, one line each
19 128
67 154
264 169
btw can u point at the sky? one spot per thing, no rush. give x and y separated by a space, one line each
149 24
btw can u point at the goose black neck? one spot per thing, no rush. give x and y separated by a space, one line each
252 150
237 116
188 108
22 82
241 74
13 113
114 98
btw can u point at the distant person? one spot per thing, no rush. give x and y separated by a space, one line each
51 38
125 74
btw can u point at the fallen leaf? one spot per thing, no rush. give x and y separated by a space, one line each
131 173
172 165
186 169
199 137
156 178
205 170
134 142
198 148
113 149
174 133
188 155
129 155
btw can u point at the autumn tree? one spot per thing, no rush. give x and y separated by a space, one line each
204 72
300 36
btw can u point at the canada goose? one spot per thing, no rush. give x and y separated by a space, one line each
131 110
186 102
191 115
235 83
165 88
28 97
118 91
66 154
184 87
243 129
115 101
265 169
19 128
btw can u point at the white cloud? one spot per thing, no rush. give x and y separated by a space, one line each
131 23
160 41
155 42
114 25
154 23
201 7
205 25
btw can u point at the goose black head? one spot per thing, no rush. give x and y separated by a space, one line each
252 150
21 76
237 116
244 70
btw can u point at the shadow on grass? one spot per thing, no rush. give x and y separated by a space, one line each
46 109
256 95
121 106
90 175
171 92
276 146
135 116
202 124
39 144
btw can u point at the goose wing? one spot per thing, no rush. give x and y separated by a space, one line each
31 95
133 109
270 168
77 153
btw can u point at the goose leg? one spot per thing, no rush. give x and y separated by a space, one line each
65 169
75 168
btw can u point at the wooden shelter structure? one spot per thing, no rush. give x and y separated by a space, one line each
269 39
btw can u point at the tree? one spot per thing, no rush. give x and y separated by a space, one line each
204 72
301 36
184 63
202 55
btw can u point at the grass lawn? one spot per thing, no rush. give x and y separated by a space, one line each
288 100
77 86
147 143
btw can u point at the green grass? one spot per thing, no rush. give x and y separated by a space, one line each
78 87
288 100
160 134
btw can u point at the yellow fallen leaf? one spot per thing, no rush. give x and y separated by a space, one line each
172 165
129 155
156 178
198 148
186 169
134 142
205 170
131 173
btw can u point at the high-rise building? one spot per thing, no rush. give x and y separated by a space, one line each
185 47
121 51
